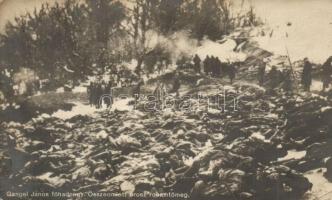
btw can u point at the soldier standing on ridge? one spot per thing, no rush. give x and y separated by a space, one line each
287 82
211 67
109 98
274 78
103 89
306 74
224 68
214 66
206 64
99 92
197 64
327 72
231 73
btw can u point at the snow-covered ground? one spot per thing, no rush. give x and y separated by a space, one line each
303 26
122 104
293 154
78 109
321 189
79 89
258 135
316 85
83 109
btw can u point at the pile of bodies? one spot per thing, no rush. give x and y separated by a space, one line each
207 154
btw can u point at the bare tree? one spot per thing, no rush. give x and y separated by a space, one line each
138 24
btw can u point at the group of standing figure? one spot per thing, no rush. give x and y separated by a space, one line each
214 67
283 78
276 77
100 92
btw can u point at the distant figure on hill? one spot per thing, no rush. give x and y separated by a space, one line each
206 64
287 81
274 77
109 98
306 75
99 93
231 72
327 73
197 64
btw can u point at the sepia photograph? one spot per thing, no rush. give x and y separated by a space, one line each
166 99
